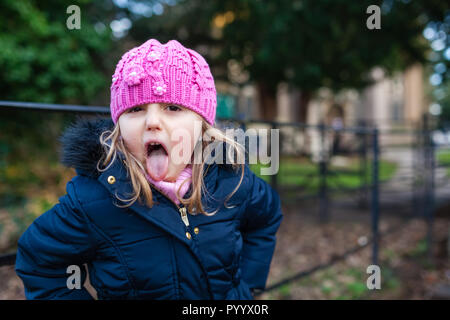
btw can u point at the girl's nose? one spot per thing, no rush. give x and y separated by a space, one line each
153 117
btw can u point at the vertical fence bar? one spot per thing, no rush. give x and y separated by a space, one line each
363 166
426 168
375 209
415 149
274 177
431 201
323 194
429 182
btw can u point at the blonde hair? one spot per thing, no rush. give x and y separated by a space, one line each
112 142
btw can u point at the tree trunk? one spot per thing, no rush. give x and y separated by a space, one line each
267 101
303 102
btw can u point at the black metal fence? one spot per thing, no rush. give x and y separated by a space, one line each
318 146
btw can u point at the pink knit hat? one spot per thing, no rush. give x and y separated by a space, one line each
163 73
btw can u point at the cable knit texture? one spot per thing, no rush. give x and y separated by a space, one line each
170 188
163 73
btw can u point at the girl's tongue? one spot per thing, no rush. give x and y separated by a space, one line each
157 164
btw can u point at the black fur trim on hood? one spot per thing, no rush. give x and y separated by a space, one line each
80 144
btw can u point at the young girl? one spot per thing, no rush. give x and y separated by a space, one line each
145 224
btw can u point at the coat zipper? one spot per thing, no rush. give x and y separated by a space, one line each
184 216
182 210
185 219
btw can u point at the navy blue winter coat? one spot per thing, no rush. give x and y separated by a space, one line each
147 253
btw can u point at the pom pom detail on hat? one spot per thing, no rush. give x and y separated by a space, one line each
134 75
159 88
153 56
163 73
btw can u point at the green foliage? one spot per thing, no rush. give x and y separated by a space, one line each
28 148
309 43
324 42
42 60
356 289
326 289
443 157
389 280
285 291
420 249
341 284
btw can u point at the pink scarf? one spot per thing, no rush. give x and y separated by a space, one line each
170 188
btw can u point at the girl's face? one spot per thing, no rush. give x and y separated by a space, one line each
157 122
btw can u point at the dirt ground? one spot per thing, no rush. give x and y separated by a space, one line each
407 272
302 243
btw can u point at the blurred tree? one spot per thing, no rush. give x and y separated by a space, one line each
308 43
42 60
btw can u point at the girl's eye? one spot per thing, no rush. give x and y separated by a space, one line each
135 109
173 108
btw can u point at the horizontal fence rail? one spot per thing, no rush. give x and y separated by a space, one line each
106 110
54 107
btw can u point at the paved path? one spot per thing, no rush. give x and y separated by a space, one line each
410 168
399 192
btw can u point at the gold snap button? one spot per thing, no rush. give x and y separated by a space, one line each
111 179
188 235
196 230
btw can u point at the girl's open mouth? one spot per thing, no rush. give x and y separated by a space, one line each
157 161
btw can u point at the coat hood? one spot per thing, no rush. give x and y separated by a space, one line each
80 144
